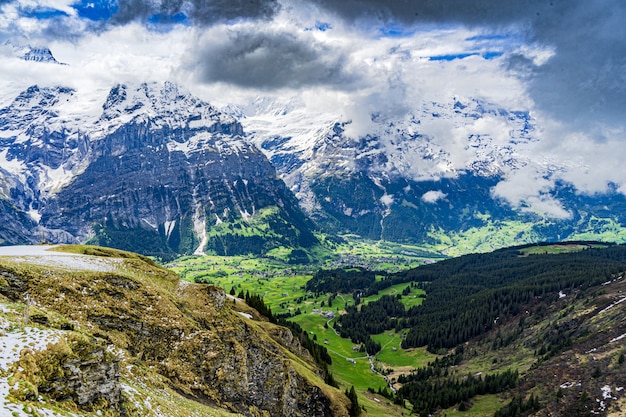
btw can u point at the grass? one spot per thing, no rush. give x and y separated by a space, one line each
493 235
556 249
282 287
121 301
482 406
412 299
416 357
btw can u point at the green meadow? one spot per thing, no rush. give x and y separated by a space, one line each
282 287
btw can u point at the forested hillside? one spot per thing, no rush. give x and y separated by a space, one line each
468 295
538 326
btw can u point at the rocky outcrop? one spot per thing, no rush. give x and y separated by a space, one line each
187 333
80 372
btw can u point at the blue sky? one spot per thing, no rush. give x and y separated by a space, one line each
562 61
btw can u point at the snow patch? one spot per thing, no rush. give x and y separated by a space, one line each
150 223
34 214
615 339
245 215
387 199
568 385
55 179
14 166
199 226
246 315
12 342
183 147
612 305
607 393
169 227
43 256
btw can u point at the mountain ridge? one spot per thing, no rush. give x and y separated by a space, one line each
153 163
436 172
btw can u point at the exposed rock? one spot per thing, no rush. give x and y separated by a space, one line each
91 377
155 172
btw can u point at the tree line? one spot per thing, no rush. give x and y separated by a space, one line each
469 295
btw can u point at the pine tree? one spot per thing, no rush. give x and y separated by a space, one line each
355 409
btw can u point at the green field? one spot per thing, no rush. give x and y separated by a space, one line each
414 298
482 406
282 287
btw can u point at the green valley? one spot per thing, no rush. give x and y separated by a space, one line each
569 281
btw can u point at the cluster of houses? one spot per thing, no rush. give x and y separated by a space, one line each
327 314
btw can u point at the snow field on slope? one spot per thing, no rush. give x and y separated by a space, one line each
43 256
13 340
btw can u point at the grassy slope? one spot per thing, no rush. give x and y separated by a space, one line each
282 285
593 332
145 380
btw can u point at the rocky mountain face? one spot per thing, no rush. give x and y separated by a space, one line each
152 168
149 168
425 176
114 334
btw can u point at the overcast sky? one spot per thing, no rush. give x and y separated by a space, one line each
562 60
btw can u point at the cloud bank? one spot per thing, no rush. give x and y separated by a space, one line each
562 62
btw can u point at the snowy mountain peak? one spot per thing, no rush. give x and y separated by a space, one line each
40 54
145 158
33 53
164 104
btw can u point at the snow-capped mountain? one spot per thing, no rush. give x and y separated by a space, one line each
33 53
40 54
432 169
148 167
151 168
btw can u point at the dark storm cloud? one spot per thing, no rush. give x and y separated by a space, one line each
474 12
584 82
198 11
269 60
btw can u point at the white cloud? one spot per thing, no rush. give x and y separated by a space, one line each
433 196
352 71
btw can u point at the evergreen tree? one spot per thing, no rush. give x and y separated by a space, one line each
355 409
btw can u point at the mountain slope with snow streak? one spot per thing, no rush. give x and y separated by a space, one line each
147 167
435 172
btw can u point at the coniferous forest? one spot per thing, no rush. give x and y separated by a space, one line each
467 296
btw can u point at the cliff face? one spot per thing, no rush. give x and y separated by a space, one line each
188 337
153 169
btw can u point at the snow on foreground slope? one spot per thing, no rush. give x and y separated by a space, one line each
13 340
128 342
15 337
46 256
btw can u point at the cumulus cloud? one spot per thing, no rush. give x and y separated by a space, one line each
433 196
583 81
563 62
528 188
